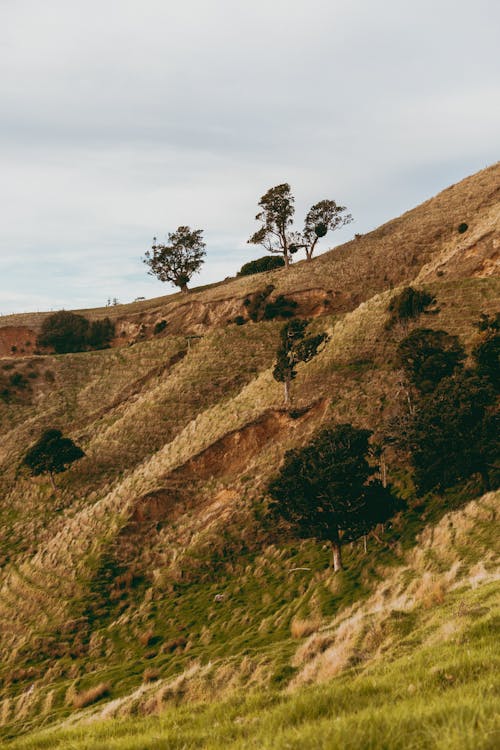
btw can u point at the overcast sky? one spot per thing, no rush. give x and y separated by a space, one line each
122 119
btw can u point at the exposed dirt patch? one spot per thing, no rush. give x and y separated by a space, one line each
17 341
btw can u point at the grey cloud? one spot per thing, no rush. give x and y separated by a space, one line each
123 119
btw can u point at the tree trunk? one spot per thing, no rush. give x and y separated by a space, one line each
286 259
383 470
337 556
184 288
52 481
286 385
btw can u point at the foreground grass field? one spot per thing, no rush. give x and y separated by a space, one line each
432 694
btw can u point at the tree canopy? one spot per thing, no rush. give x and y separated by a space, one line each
455 432
327 490
295 347
325 216
276 218
427 356
52 454
177 261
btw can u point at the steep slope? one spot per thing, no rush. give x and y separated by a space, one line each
155 553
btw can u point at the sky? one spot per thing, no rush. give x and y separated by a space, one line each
123 119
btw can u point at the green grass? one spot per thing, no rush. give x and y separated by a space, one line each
443 696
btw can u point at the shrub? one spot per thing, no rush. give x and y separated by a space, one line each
410 303
463 227
427 356
64 331
267 263
17 380
159 327
100 333
69 332
282 307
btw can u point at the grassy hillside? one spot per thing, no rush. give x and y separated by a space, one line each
153 576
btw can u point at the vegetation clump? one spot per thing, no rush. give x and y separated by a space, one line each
427 356
259 308
408 305
52 454
463 227
260 265
159 327
68 332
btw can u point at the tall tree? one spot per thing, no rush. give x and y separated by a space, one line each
325 216
326 490
52 454
294 347
276 219
178 260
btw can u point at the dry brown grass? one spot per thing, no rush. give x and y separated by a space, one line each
300 628
91 695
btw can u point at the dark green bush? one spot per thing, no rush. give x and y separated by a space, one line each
69 332
267 263
410 303
282 307
463 227
159 327
100 334
64 331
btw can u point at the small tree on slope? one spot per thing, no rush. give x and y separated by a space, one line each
294 347
52 454
180 259
325 490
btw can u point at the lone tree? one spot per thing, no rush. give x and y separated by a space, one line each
294 347
326 490
52 454
177 261
276 218
325 216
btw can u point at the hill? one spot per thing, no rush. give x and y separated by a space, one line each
152 576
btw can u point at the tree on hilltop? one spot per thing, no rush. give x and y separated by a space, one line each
276 234
327 490
276 219
325 216
52 454
295 347
178 260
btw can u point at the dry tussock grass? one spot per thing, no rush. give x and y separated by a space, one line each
362 629
300 628
89 696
